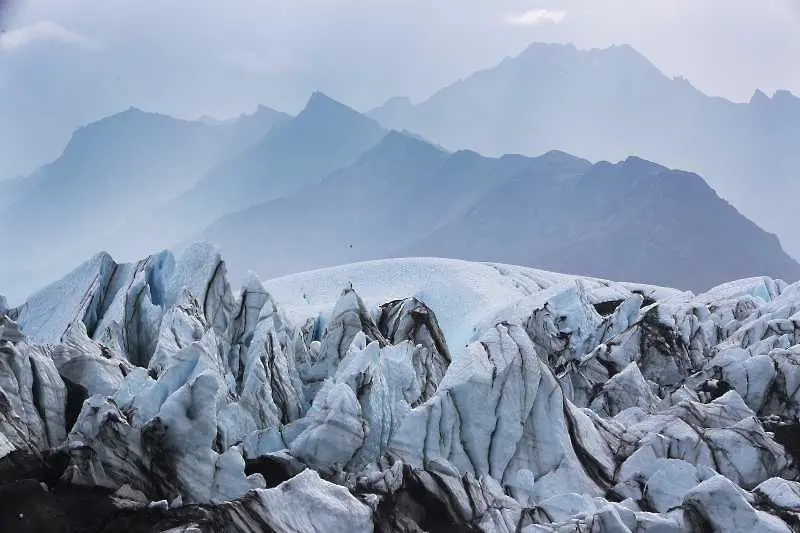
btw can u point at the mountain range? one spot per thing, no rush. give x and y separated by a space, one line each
109 177
325 136
331 185
407 198
607 104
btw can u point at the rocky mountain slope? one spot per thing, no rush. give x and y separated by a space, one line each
452 396
407 198
612 103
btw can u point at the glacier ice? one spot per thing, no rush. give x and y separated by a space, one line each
408 395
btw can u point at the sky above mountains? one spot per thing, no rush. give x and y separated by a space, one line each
72 61
726 47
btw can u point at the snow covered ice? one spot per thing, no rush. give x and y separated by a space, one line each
409 395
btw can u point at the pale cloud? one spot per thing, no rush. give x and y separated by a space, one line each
43 31
536 17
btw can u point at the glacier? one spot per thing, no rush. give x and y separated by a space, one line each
397 396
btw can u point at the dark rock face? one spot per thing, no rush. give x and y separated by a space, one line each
273 469
35 499
29 507
787 434
577 404
416 508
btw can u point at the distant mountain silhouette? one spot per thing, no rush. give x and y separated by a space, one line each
110 173
331 186
636 220
325 136
611 103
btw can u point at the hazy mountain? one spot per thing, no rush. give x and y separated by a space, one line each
405 197
611 103
395 193
329 186
325 136
109 174
635 219
11 189
249 128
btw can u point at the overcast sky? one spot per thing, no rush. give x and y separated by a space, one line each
66 62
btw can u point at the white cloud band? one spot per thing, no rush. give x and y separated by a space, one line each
536 17
43 31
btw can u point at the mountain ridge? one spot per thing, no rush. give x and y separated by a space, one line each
613 102
295 153
405 197
347 190
96 193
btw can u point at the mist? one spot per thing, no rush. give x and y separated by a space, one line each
65 65
399 265
73 61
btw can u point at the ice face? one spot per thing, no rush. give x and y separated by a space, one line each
492 395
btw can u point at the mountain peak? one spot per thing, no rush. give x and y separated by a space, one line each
643 166
262 112
405 138
785 95
554 51
131 121
396 142
624 55
320 102
324 113
758 97
541 47
620 50
133 114
563 159
617 56
132 110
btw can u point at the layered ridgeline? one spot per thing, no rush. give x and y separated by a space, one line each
111 177
324 137
138 182
611 103
330 186
402 395
633 220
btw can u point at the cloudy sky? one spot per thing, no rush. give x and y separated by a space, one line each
66 62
